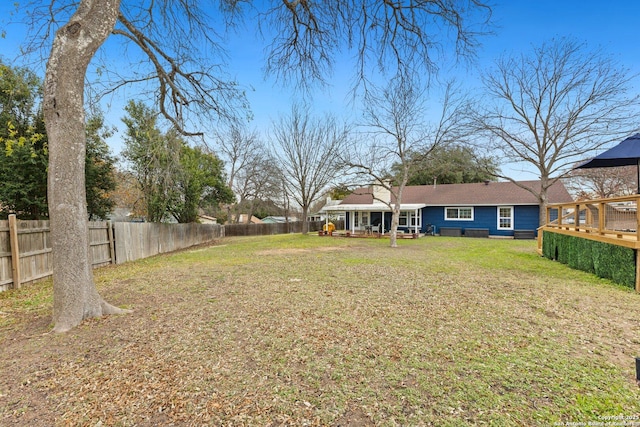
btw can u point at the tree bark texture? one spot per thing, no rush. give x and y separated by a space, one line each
75 296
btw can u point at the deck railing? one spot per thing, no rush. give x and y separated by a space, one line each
613 220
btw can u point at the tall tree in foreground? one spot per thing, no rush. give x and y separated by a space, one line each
178 38
402 138
309 150
75 296
552 107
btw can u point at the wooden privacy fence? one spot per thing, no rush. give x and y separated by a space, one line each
141 240
26 256
25 250
231 230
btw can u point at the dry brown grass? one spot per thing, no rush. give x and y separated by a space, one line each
303 330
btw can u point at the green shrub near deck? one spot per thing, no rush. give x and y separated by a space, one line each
603 259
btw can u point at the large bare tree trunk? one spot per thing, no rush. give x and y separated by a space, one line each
393 231
75 296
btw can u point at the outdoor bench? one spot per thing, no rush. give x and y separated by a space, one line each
476 232
524 234
451 231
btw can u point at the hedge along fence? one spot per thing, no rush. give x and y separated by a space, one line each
617 263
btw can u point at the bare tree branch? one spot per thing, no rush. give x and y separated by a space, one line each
390 37
395 120
308 151
555 106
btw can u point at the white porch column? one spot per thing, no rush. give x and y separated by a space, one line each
353 221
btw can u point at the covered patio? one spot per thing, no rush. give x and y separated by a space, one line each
375 220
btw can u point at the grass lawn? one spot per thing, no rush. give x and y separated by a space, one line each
304 330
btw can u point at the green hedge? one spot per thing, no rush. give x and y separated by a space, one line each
603 259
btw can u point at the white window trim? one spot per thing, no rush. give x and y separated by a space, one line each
403 215
413 219
458 209
511 217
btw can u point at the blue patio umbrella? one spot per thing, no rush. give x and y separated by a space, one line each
626 153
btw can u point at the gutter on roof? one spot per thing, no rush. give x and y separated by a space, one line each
378 207
483 204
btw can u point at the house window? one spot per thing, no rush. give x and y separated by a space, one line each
505 218
408 218
403 219
415 220
364 218
459 214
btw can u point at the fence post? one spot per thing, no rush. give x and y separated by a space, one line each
638 270
112 247
15 251
602 220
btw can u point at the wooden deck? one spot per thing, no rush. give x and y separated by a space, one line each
614 220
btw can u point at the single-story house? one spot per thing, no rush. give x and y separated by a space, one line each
244 219
323 213
207 219
278 219
494 208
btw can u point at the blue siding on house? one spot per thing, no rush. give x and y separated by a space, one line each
525 218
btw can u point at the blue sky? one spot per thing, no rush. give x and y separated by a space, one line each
521 24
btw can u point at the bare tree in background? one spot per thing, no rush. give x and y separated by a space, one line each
601 183
253 174
309 151
178 41
553 107
402 137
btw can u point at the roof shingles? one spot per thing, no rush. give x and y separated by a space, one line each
492 193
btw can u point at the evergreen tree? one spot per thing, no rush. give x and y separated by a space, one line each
450 164
175 179
200 182
23 172
99 170
23 145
